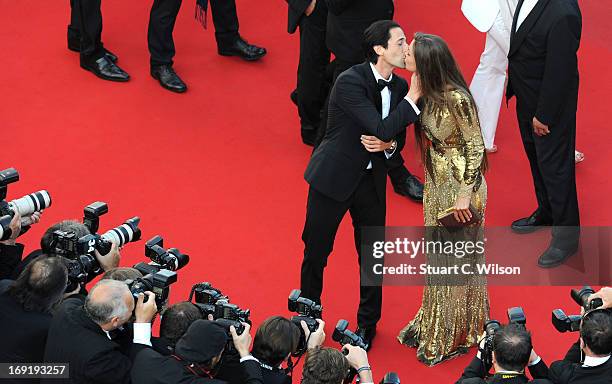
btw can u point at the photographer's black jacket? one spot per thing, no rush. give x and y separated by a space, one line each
476 372
93 357
151 367
10 256
570 370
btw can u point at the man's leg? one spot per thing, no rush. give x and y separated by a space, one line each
323 216
74 32
404 183
90 16
367 211
161 24
314 58
229 41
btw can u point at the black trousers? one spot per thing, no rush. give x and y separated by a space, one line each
161 24
553 169
323 217
395 165
85 29
312 85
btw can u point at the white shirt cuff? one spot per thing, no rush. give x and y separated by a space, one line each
416 109
142 333
389 154
248 357
536 361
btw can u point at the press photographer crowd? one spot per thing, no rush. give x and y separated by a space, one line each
52 312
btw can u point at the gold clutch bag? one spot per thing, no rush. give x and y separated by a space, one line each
446 218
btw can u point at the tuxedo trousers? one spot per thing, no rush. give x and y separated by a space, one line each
85 29
323 217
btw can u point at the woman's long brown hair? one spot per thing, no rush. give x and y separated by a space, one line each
438 73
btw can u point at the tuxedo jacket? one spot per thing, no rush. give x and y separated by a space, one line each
570 370
475 374
338 163
346 22
543 63
295 13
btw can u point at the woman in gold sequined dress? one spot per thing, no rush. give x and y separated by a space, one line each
452 314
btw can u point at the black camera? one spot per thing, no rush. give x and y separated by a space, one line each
307 311
79 257
571 323
170 258
120 235
210 301
26 205
516 315
345 336
155 280
390 378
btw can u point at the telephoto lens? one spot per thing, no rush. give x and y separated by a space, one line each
125 233
34 202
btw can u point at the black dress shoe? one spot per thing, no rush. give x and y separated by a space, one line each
367 334
410 187
75 46
168 78
530 224
243 49
106 69
554 256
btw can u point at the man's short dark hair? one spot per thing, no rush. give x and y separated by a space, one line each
378 33
79 229
512 346
596 331
41 285
122 274
324 366
176 320
275 338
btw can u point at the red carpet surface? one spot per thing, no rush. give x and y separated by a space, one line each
218 171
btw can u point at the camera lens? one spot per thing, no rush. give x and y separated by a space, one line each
124 233
34 202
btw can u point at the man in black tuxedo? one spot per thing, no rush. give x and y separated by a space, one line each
512 352
312 87
543 74
369 110
346 22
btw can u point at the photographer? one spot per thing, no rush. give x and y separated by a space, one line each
10 250
81 335
512 352
595 343
196 357
25 310
175 321
329 366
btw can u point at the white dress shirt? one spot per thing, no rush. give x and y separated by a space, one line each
385 96
526 9
142 334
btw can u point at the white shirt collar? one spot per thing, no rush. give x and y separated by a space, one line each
377 75
594 361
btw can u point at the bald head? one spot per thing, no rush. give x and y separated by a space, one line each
109 304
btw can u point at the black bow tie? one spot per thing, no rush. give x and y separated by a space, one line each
383 83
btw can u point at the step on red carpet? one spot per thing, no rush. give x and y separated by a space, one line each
217 171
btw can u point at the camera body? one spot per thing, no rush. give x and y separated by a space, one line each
155 280
120 235
79 257
210 301
307 311
170 258
571 323
516 315
345 336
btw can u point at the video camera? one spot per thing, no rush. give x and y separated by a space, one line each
571 323
516 315
210 301
25 206
307 311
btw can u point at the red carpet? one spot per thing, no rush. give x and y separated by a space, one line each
218 171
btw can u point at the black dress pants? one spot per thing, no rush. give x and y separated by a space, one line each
553 169
312 85
85 29
161 25
323 217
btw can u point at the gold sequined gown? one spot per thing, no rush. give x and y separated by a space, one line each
451 317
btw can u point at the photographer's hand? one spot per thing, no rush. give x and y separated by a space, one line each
110 260
145 312
15 226
605 294
358 359
242 342
315 338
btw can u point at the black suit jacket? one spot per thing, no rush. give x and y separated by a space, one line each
295 13
346 22
10 256
543 63
570 370
23 335
338 163
93 357
151 367
476 372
